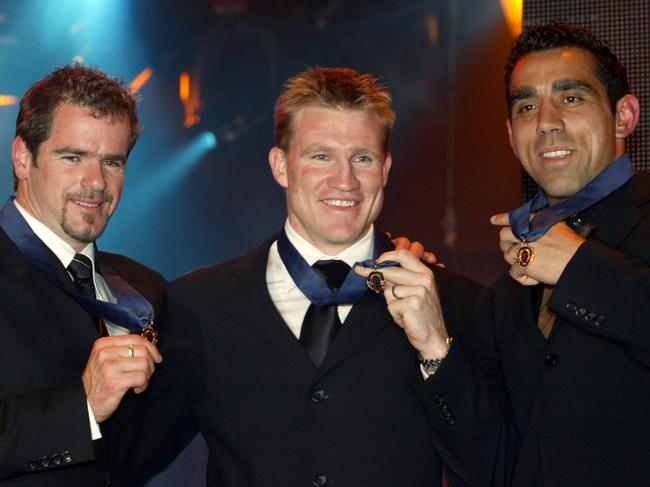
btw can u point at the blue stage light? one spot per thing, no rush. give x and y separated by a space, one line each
208 140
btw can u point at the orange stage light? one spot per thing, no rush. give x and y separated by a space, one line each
141 79
6 100
184 87
512 12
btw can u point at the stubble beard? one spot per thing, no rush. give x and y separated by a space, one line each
88 233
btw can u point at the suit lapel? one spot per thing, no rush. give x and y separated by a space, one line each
624 215
365 320
525 322
248 294
56 307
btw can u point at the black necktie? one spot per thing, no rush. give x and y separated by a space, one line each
322 323
81 269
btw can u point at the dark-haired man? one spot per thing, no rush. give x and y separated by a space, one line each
301 375
67 311
572 321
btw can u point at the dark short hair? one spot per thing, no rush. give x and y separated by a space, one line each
77 85
331 88
555 35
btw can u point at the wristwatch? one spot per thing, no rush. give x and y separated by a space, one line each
430 365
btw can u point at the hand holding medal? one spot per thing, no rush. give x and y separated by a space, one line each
412 299
544 259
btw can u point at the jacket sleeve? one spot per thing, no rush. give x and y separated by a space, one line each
464 402
45 429
607 292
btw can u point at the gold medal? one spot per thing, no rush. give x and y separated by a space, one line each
525 255
375 280
149 333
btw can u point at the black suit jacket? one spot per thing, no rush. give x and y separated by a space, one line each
45 341
364 418
580 400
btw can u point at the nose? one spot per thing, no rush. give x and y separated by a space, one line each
550 120
343 177
93 175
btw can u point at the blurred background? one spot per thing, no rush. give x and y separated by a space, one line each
199 189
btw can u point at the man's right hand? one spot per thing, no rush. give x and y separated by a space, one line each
111 371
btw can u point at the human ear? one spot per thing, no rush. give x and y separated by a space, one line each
22 158
627 115
278 163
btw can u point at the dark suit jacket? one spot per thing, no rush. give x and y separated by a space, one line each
45 341
365 418
581 400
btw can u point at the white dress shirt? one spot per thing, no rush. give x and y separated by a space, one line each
290 302
65 253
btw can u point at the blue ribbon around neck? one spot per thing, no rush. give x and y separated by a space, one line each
609 180
133 312
314 286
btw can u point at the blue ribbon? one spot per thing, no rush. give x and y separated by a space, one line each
613 177
133 312
314 286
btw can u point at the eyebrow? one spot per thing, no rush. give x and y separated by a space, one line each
521 94
572 84
560 85
85 153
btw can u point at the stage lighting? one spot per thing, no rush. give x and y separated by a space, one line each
6 100
512 11
208 139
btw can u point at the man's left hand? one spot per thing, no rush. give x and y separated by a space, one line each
412 298
552 252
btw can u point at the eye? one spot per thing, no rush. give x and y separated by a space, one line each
72 158
526 108
114 163
320 157
571 99
363 158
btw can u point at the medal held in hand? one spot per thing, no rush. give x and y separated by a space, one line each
149 333
375 280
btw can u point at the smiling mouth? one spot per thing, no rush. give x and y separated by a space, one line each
341 203
555 154
86 204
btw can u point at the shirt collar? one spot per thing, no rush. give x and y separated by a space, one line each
357 252
63 251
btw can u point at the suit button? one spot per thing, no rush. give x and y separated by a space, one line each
45 462
599 321
574 221
320 480
571 306
67 457
438 399
451 420
318 395
447 413
33 464
551 359
590 316
580 312
56 459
